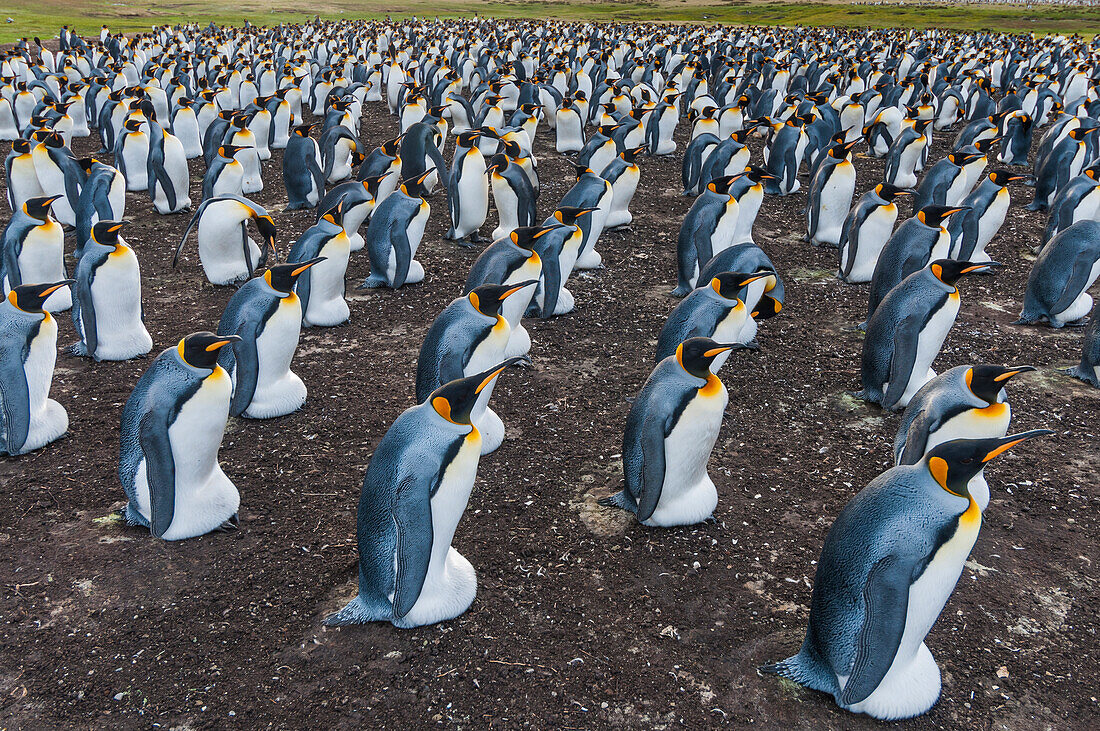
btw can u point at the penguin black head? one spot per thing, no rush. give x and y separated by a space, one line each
934 216
695 355
986 381
282 277
1081 133
721 184
489 298
1004 177
468 138
949 271
730 284
953 464
335 214
31 297
39 208
758 174
524 237
497 163
303 130
200 350
106 232
21 146
371 184
266 226
841 149
983 147
890 192
230 151
455 400
389 147
581 170
631 154
568 215
414 187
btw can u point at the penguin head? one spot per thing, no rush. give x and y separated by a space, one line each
730 284
39 208
335 214
230 151
497 163
31 297
631 154
722 183
1080 133
200 350
414 187
695 355
568 215
371 184
953 464
455 400
106 232
934 216
266 226
986 381
489 298
282 277
581 170
890 192
950 271
841 149
758 174
1004 177
389 147
468 138
525 236
983 147
303 130
21 146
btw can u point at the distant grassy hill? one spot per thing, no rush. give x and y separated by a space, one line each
44 17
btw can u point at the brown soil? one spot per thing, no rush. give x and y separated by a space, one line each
583 619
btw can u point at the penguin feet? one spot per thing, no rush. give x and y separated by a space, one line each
232 523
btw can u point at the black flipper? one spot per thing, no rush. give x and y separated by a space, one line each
653 467
14 395
412 517
906 339
160 470
1075 284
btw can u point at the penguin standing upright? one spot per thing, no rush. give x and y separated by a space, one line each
226 251
20 175
102 198
267 316
414 493
1057 287
623 174
590 191
467 191
320 286
470 332
907 329
393 235
785 154
167 172
513 195
172 427
359 199
29 418
889 564
225 174
707 229
670 431
903 161
107 310
1064 162
558 250
1077 200
984 212
964 402
32 251
302 176
131 153
866 230
830 196
917 241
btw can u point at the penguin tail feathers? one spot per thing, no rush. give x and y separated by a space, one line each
802 669
77 349
356 612
621 499
782 669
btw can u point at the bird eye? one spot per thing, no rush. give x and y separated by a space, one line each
968 460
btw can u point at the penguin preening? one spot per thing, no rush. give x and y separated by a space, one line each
888 566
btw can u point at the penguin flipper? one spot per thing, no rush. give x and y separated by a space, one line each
412 516
84 308
886 605
653 466
1075 283
916 438
399 240
248 365
906 340
302 289
160 469
15 418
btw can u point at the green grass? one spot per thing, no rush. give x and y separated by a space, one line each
44 17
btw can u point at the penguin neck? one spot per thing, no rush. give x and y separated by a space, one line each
201 373
446 424
10 309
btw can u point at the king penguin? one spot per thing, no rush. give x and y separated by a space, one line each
172 427
393 235
29 418
888 566
414 493
266 314
907 329
320 286
470 332
670 432
107 310
1088 370
1057 287
866 230
226 251
716 311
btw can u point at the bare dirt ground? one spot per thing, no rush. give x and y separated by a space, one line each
583 619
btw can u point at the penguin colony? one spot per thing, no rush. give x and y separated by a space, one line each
468 100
